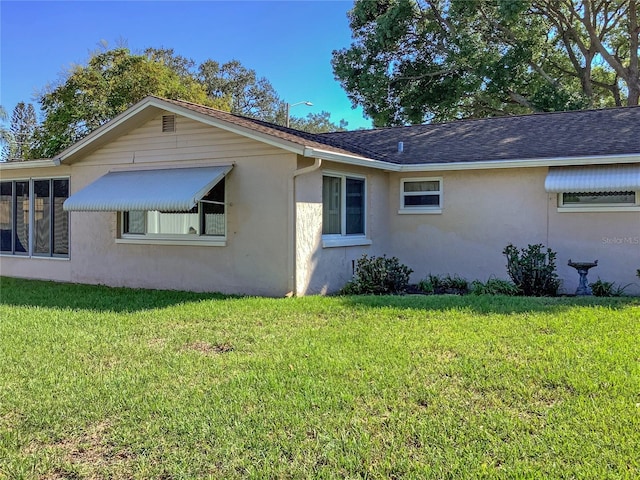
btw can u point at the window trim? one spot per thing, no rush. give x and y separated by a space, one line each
421 210
184 239
32 199
343 239
610 207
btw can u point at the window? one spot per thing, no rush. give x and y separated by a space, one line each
343 200
32 221
598 199
205 221
421 195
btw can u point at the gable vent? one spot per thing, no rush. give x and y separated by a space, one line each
168 123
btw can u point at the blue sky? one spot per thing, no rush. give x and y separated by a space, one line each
288 42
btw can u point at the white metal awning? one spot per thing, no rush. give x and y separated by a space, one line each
593 178
176 190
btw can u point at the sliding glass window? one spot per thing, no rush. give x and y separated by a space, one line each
32 220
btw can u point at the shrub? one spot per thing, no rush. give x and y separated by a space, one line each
494 286
435 284
532 269
378 276
606 289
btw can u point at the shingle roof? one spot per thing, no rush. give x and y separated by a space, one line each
612 131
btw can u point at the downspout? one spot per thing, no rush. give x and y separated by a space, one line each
293 286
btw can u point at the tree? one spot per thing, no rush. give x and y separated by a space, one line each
6 137
249 95
110 83
255 97
600 39
317 123
113 80
183 66
23 127
418 60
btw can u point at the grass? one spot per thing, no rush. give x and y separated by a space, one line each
97 382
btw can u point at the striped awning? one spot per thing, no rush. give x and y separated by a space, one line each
172 189
593 178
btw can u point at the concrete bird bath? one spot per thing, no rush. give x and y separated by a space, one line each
583 269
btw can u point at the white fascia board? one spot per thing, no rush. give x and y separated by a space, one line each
350 159
493 164
49 162
523 163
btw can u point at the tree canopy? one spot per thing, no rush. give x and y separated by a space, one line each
110 83
113 80
317 123
413 61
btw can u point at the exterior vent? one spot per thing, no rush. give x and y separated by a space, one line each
168 123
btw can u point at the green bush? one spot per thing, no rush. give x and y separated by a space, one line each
532 270
494 286
378 276
606 289
436 284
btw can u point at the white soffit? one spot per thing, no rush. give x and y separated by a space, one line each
176 190
593 178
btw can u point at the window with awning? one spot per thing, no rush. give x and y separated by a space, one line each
165 190
166 204
595 187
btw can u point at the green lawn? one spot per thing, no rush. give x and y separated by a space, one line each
99 383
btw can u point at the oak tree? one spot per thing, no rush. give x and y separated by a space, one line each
413 61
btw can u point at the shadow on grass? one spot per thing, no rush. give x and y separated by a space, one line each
37 293
488 304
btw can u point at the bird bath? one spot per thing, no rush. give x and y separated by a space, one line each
583 269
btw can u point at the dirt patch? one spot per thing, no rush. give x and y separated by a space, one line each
207 348
9 420
89 453
157 342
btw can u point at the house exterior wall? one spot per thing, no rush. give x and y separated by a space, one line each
484 210
274 222
255 258
321 269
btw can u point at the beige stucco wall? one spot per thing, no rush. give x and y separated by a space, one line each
484 210
321 269
255 259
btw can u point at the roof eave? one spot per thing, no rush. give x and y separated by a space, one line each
479 165
523 163
349 159
44 163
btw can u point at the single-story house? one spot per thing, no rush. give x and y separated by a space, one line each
174 195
